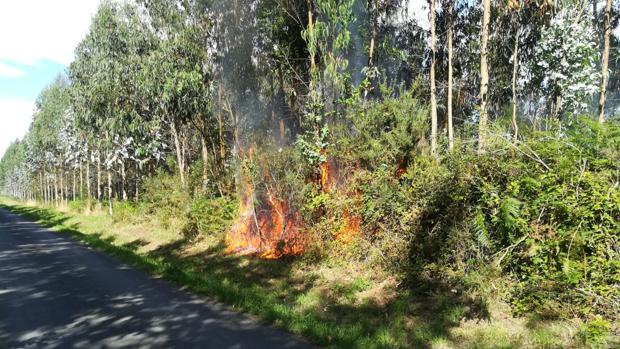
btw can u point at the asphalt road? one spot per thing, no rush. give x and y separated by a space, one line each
57 293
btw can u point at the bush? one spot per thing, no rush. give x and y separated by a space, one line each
210 216
165 198
78 206
595 333
544 212
124 211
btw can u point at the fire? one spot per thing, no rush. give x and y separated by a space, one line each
351 225
267 228
350 228
325 184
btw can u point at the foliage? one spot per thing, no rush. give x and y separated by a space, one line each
564 64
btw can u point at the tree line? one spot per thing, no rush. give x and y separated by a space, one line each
188 86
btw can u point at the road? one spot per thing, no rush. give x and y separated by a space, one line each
57 293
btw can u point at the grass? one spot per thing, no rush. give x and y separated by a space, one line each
334 304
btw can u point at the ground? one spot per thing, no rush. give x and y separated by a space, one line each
330 302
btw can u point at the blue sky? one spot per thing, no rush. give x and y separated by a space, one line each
31 79
37 39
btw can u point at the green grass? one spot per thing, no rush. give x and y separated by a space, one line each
331 304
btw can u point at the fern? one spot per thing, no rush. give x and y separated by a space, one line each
510 214
481 232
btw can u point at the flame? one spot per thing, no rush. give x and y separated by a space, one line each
350 228
325 178
269 230
351 225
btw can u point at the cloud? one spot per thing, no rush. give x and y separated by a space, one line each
15 118
33 30
7 71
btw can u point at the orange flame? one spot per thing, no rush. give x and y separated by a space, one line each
349 229
270 230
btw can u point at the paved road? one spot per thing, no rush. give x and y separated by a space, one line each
57 293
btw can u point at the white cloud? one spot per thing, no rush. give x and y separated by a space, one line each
42 29
15 117
7 71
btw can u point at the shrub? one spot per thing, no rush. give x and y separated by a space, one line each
211 215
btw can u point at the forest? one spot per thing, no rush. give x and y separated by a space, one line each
361 164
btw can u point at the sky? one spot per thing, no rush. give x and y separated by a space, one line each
37 39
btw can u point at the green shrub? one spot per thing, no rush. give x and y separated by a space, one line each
595 333
78 206
165 198
210 215
125 211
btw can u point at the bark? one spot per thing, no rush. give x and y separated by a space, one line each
605 63
432 80
515 68
123 181
484 77
205 162
99 194
311 33
137 192
62 190
56 188
449 116
82 180
41 186
220 125
88 191
179 152
110 212
74 184
373 34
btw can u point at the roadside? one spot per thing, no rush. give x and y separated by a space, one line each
328 301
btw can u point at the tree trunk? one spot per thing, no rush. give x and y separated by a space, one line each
82 180
515 65
220 124
484 77
88 191
123 181
99 194
110 212
373 33
74 183
450 122
179 152
605 63
62 190
137 192
41 186
311 33
56 188
205 162
432 80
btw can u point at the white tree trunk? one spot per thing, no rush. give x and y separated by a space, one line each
604 64
432 80
484 77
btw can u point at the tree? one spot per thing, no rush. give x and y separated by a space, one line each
450 73
432 79
605 64
484 76
564 65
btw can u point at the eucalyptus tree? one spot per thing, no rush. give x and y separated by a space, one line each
564 65
605 63
327 37
179 77
484 76
105 76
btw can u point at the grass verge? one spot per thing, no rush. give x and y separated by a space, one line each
332 303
